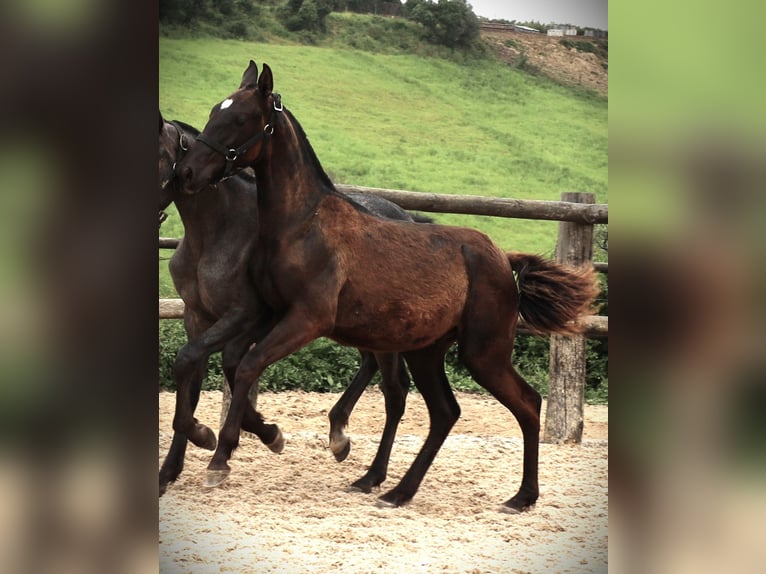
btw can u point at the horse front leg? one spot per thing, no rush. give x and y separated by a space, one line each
189 360
253 422
174 461
294 331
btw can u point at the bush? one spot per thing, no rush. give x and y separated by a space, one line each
324 366
451 23
305 14
580 45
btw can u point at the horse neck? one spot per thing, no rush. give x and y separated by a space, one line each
196 212
203 213
291 182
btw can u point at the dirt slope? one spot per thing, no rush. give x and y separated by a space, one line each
548 56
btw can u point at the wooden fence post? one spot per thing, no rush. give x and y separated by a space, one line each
566 386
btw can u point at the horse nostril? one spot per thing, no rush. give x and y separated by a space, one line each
186 173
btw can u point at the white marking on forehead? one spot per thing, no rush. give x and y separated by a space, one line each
226 103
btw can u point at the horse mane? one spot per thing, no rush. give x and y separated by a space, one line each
195 132
307 147
324 178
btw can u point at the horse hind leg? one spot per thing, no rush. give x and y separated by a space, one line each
427 368
518 396
395 385
485 346
340 444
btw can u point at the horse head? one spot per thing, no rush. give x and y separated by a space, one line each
175 139
236 134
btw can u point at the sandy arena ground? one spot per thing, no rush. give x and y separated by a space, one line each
291 513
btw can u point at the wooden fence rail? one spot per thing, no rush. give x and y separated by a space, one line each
594 325
492 206
577 215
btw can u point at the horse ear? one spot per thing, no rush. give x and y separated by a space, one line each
266 81
162 122
250 77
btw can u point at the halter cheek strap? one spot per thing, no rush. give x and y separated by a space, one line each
231 154
183 146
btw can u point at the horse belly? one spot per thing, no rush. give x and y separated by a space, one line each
397 324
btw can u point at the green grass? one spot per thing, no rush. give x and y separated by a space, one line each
413 123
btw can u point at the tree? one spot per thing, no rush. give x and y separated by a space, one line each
451 23
306 14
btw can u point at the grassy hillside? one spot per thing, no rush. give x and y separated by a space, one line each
414 123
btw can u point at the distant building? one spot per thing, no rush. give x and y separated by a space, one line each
570 31
520 28
555 32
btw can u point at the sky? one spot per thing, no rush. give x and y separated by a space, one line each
582 13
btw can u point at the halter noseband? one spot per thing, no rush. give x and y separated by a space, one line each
184 146
231 154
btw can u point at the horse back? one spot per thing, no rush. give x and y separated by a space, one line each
411 281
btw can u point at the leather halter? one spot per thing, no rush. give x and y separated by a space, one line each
231 154
183 145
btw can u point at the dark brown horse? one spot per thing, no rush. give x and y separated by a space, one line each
211 271
330 269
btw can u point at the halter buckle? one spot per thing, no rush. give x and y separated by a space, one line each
231 155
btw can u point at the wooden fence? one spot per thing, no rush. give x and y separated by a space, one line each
576 213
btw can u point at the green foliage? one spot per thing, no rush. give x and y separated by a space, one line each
305 14
324 366
598 47
597 371
451 23
377 35
172 338
240 19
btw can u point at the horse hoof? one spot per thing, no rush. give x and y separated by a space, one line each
508 508
359 487
205 438
341 449
392 499
216 477
278 444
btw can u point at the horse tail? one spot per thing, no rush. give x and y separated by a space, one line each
551 295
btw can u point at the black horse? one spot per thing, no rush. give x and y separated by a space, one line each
211 270
330 269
